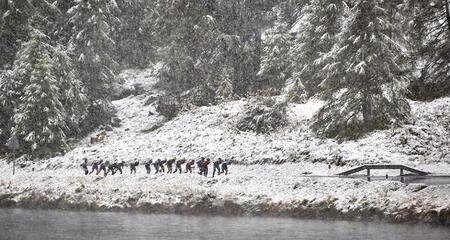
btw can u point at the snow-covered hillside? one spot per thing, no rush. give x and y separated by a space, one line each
210 132
280 186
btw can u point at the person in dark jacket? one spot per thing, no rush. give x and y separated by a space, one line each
170 165
156 165
111 168
200 165
189 165
84 166
133 166
216 165
225 167
148 165
205 167
95 166
119 167
103 167
161 165
178 165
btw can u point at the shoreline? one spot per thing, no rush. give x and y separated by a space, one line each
249 190
231 209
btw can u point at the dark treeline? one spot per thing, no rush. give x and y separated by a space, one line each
59 59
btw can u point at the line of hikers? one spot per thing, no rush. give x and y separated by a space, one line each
219 166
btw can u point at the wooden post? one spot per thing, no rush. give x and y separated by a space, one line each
368 174
402 180
14 162
13 145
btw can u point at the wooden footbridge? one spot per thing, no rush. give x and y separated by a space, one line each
369 167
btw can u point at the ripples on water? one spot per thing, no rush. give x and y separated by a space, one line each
42 224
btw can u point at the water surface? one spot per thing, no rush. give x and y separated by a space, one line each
44 224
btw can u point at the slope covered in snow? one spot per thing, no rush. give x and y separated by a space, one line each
210 132
268 174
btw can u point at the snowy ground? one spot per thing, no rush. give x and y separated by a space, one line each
278 187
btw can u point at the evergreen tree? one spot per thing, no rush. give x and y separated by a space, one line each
71 90
39 119
317 27
363 74
243 22
14 16
134 38
186 31
275 64
225 88
204 42
9 95
430 32
91 23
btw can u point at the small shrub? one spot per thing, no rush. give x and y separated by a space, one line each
263 116
168 107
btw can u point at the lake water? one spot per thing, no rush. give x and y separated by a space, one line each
43 224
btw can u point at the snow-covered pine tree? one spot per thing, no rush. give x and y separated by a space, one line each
71 90
225 89
39 121
91 23
187 33
317 28
134 38
14 16
295 91
275 64
430 33
9 96
363 75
